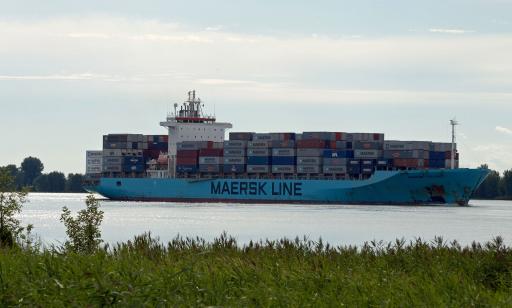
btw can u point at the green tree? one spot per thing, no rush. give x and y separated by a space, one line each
56 182
11 203
84 230
51 182
507 183
41 183
32 168
490 188
74 183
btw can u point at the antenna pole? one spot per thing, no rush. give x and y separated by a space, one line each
453 123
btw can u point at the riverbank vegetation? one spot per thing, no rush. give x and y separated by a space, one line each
193 272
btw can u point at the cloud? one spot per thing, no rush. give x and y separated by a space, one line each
504 130
450 31
89 35
412 69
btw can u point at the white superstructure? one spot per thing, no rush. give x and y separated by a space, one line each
190 124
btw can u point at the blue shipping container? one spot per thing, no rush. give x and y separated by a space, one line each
186 169
258 160
133 168
283 160
338 153
437 155
436 163
234 168
133 160
354 169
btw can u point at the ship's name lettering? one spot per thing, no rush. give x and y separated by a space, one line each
256 188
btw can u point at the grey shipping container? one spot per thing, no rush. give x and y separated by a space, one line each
209 160
234 152
283 169
112 168
310 152
258 169
341 145
193 145
261 137
258 152
282 143
363 154
283 152
335 169
234 160
235 144
337 161
241 136
407 145
309 160
112 152
406 154
112 160
257 144
308 169
441 147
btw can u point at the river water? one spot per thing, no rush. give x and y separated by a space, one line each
335 224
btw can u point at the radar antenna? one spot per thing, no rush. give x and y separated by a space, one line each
453 123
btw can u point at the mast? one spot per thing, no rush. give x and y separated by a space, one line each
453 123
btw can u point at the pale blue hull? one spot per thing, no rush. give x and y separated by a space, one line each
384 187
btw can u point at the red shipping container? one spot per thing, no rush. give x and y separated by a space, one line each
211 152
186 161
311 143
409 162
151 153
187 153
339 137
332 145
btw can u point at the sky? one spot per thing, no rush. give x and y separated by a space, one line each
71 71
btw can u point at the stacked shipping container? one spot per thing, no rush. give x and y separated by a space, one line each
334 154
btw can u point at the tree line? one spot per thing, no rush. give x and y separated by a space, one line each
30 174
496 186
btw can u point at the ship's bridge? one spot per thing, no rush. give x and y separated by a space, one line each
189 123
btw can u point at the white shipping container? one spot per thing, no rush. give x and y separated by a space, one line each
93 154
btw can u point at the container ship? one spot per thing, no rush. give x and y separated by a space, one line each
194 163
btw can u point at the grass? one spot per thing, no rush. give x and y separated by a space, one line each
193 272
